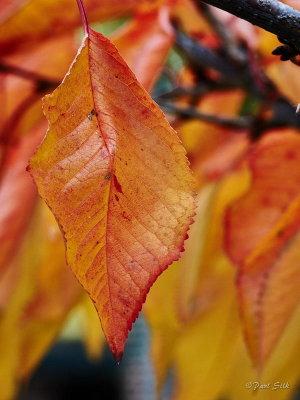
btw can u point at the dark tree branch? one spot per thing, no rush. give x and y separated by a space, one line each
42 83
7 129
191 112
229 42
202 57
271 15
194 92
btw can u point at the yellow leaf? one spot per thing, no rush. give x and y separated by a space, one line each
92 333
38 292
282 368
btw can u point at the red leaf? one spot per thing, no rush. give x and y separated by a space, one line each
263 240
17 194
144 43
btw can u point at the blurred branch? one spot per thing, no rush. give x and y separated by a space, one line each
202 57
191 112
283 116
7 130
42 83
196 91
271 15
229 42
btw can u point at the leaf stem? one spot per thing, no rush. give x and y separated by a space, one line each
83 16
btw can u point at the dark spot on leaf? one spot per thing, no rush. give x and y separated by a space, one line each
107 176
90 115
117 185
125 216
117 198
280 233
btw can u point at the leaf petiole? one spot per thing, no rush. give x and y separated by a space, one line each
83 16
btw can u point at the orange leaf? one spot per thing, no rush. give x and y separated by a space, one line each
274 165
285 76
53 291
93 336
24 23
17 194
213 150
190 18
162 317
20 96
37 292
269 286
283 367
263 239
22 130
116 177
144 43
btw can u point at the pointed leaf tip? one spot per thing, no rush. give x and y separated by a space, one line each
118 357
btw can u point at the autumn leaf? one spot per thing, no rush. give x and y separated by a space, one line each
285 77
39 292
22 130
144 43
205 349
22 89
93 336
205 261
53 291
170 294
192 21
189 294
274 186
25 23
115 175
283 367
189 305
213 150
164 325
17 194
263 240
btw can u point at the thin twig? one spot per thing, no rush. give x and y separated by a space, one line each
194 91
191 112
202 57
85 23
42 82
230 43
7 130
